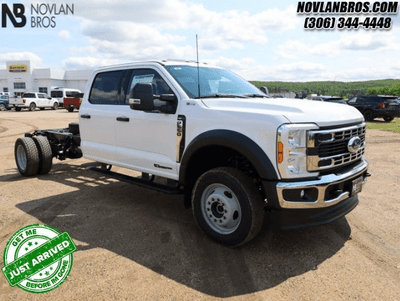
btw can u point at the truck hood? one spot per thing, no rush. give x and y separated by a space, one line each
295 110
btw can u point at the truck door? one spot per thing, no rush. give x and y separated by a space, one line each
146 141
97 117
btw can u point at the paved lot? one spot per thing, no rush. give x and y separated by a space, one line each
137 244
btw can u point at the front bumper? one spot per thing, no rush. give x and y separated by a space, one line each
326 191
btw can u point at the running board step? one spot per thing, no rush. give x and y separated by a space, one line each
137 181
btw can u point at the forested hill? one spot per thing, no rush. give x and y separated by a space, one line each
343 89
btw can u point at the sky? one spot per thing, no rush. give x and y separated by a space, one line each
259 40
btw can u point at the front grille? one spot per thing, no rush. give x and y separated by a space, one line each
328 149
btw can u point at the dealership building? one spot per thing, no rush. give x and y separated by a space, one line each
18 77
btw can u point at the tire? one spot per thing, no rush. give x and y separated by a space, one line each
368 115
55 106
32 107
2 107
41 109
45 154
70 110
26 156
388 119
227 206
17 109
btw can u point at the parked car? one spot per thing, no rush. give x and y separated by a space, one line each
33 100
61 93
71 103
374 106
4 104
329 99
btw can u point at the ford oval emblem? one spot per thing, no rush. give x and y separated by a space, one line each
354 144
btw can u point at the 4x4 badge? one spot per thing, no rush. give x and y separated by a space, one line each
354 144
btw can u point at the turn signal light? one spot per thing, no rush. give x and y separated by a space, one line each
280 152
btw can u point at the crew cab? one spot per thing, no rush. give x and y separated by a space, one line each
206 133
33 100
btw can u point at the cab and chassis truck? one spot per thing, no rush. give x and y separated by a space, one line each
201 131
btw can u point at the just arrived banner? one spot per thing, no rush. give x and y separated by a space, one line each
42 15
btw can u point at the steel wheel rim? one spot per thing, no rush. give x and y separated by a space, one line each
221 209
21 157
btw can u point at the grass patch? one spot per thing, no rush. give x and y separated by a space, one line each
393 126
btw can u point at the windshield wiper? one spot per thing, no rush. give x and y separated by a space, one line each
216 95
256 95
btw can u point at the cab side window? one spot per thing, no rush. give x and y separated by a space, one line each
149 76
107 87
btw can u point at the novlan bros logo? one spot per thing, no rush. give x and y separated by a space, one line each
17 12
43 15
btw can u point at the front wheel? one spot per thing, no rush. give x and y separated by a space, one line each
227 206
388 119
55 106
2 107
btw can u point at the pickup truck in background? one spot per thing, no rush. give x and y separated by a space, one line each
206 133
71 103
33 100
4 103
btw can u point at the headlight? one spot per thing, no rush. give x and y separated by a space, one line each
292 150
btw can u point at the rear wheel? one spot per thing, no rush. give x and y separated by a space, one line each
227 206
32 106
41 109
70 110
26 156
368 115
17 109
388 119
45 154
55 106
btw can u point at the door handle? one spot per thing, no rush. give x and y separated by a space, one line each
86 116
125 119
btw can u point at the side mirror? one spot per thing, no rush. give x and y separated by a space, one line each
141 97
264 90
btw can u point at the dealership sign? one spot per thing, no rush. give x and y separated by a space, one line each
18 68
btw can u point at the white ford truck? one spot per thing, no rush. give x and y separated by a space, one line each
206 133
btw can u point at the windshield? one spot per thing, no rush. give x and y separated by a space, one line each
213 82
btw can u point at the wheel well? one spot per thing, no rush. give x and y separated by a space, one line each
210 157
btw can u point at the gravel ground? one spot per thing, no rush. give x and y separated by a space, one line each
138 244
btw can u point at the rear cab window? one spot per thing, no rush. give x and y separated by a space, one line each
106 88
29 95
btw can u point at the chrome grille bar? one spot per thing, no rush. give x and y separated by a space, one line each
328 148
